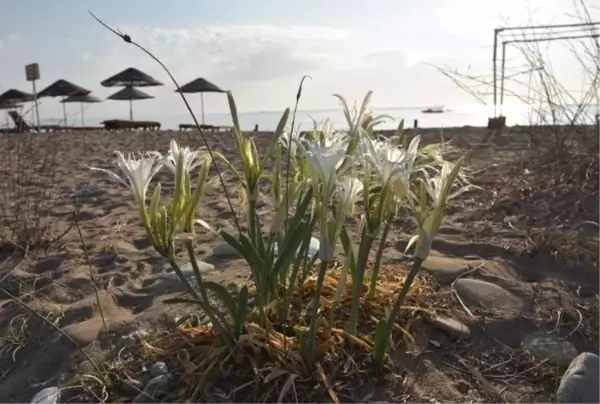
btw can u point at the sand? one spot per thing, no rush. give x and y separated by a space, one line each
132 279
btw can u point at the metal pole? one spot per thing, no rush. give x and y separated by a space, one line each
37 111
202 106
82 124
130 109
65 111
494 57
502 77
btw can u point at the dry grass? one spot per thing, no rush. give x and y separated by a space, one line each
267 363
29 191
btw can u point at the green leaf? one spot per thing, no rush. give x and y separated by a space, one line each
348 250
223 295
229 239
380 341
241 311
184 300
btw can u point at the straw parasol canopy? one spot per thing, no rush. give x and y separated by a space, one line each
62 88
82 99
15 96
200 85
130 78
130 94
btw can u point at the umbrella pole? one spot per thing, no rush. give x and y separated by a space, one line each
202 106
82 124
130 109
65 111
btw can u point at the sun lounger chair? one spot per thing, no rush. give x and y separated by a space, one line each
23 126
208 128
118 124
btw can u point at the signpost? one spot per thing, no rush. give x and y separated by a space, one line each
32 73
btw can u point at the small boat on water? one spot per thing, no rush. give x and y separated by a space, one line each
434 110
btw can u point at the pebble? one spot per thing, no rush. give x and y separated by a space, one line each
49 395
188 271
224 250
445 270
579 384
488 295
548 346
313 248
156 385
452 327
158 368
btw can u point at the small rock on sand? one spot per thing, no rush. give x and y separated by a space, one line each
155 386
488 295
544 346
224 250
158 368
49 395
579 384
188 271
452 327
445 270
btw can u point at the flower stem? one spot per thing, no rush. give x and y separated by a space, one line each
312 335
410 278
358 279
377 264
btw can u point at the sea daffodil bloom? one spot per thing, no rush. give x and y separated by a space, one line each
439 189
138 172
191 158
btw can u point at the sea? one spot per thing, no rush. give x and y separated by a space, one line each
413 116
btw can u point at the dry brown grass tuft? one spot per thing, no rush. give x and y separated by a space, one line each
29 190
267 363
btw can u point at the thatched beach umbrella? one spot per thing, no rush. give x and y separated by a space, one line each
83 99
201 86
130 78
62 88
130 94
15 96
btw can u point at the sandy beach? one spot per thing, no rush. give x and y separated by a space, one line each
133 280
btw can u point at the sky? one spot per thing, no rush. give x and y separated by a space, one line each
260 49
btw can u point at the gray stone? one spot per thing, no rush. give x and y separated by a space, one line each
579 384
49 395
445 270
488 295
188 271
155 386
224 250
158 368
544 346
452 327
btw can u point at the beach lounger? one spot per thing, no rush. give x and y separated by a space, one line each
118 124
210 128
23 126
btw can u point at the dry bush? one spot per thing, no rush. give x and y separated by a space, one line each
29 190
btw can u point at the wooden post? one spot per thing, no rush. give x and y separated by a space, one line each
416 123
32 73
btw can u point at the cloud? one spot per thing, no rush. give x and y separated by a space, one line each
240 53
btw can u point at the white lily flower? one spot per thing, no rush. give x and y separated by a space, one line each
324 162
291 139
349 190
439 189
138 172
191 158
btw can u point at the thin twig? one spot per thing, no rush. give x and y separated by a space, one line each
94 284
128 39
